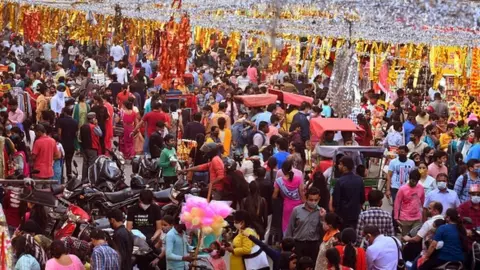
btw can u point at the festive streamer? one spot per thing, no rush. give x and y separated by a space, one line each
343 89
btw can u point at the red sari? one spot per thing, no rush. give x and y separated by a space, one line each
109 126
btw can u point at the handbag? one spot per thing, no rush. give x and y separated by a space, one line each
401 262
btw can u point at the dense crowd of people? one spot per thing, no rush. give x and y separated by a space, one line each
295 204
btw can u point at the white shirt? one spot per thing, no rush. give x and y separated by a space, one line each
426 229
117 53
73 51
93 64
57 103
122 74
17 50
383 253
47 51
243 82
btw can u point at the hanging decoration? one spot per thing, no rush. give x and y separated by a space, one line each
174 42
343 88
31 25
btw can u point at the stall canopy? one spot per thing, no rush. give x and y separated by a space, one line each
257 100
319 125
289 98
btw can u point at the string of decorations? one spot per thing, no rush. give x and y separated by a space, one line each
433 22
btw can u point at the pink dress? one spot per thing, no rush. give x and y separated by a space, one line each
218 264
128 120
76 264
291 197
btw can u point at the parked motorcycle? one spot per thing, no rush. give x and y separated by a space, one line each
100 203
148 169
106 173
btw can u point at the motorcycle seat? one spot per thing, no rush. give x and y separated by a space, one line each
162 195
121 195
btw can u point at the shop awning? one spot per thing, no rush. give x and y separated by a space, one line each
257 100
319 125
289 98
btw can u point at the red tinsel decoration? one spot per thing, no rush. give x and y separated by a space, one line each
31 26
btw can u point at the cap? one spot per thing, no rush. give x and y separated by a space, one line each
474 188
91 115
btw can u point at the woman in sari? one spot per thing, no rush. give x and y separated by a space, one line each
80 112
108 124
291 188
129 119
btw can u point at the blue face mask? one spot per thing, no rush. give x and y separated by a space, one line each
8 127
275 150
477 171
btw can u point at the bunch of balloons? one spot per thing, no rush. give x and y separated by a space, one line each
198 213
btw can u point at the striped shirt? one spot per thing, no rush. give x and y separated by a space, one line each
105 258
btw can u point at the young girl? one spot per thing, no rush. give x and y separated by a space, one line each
58 164
216 256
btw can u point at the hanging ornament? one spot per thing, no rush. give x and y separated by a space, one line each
344 93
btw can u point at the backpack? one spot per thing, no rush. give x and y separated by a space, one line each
464 184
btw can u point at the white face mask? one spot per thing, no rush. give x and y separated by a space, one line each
442 185
475 199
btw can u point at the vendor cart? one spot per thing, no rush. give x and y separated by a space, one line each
375 179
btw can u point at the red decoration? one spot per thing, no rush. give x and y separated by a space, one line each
174 40
31 26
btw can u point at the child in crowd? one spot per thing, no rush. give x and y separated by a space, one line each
216 253
446 138
167 224
305 263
